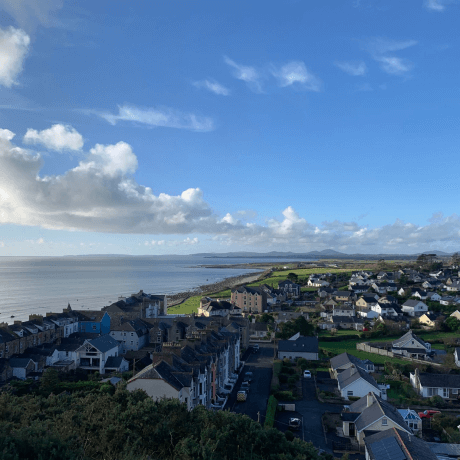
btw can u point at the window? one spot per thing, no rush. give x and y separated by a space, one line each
349 393
384 421
445 392
94 327
455 391
132 343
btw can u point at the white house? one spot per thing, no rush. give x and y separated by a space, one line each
447 386
94 353
411 346
298 347
414 307
355 381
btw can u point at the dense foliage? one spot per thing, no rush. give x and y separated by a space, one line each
131 426
289 328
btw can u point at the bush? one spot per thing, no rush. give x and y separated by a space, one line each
271 412
285 395
283 378
293 379
289 435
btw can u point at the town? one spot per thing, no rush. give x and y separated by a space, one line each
354 359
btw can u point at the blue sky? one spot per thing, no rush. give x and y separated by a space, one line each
184 127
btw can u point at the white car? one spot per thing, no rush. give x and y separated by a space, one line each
307 374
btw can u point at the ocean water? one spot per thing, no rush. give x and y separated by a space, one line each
44 284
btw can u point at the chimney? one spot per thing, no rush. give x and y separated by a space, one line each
370 399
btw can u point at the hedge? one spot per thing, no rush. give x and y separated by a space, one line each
271 411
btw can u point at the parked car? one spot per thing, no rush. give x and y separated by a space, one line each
255 348
241 396
245 386
428 413
248 376
307 374
294 423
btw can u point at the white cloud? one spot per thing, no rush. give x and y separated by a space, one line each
164 117
58 137
434 5
6 134
295 73
100 195
213 86
355 69
30 13
381 45
394 65
2 244
14 45
245 73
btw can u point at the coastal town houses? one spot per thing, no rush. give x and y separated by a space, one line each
289 288
132 335
414 307
427 385
249 299
411 346
298 347
193 371
214 307
395 444
369 415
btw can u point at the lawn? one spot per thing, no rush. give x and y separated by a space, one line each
187 307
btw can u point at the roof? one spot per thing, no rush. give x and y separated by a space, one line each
344 359
104 343
408 336
19 362
113 362
394 444
411 303
352 374
378 409
451 450
409 414
302 344
440 380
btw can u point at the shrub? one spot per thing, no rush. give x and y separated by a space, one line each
293 379
283 378
271 412
285 395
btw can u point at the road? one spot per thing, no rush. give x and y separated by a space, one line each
261 365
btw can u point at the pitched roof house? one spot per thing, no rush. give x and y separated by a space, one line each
344 361
298 347
427 385
355 381
411 346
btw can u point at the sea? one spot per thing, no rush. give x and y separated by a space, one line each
39 285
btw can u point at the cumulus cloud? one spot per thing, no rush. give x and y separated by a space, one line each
14 45
295 73
101 195
245 73
355 69
213 86
434 5
30 13
164 117
58 137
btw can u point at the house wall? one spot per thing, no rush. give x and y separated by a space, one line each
378 426
297 354
360 388
155 388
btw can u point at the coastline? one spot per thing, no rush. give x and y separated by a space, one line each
207 289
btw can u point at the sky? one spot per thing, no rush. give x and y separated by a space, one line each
184 127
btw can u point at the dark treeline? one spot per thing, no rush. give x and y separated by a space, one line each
131 426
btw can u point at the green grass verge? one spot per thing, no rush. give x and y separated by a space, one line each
271 412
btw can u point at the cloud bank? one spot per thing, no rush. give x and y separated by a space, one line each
100 194
14 45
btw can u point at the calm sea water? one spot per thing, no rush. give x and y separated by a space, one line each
44 284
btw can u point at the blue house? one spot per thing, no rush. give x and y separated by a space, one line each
94 321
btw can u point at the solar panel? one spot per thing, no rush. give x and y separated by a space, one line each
387 449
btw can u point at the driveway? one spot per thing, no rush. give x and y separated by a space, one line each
261 365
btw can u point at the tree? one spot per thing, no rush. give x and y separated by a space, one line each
49 381
293 277
453 323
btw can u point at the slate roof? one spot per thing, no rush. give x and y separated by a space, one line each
440 380
378 409
215 305
352 374
113 362
104 343
19 362
408 336
302 344
344 358
411 303
5 336
445 449
394 444
250 290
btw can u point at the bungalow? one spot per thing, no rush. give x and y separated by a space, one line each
433 297
455 286
414 307
427 385
397 444
355 381
347 322
367 301
447 300
411 346
369 415
298 347
258 330
344 361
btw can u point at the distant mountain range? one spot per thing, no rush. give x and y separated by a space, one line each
324 254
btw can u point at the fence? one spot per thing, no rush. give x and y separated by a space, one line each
364 346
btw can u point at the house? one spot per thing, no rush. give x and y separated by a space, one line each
456 314
370 415
427 385
347 322
367 301
395 444
344 296
411 346
93 321
131 334
343 310
289 288
447 300
249 299
258 330
412 419
298 347
355 381
93 354
414 307
433 297
429 319
344 361
380 288
214 307
366 313
21 367
455 286
422 295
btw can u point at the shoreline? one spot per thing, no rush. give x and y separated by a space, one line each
206 289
